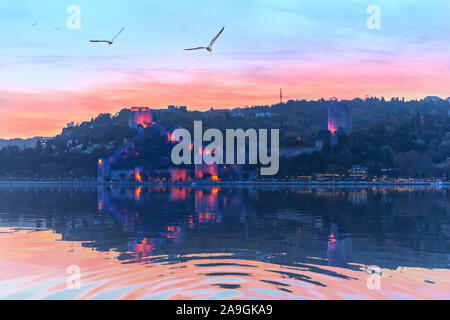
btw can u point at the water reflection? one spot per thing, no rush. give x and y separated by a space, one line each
245 242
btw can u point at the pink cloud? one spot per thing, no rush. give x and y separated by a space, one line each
45 111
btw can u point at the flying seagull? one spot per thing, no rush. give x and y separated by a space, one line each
34 24
209 47
107 41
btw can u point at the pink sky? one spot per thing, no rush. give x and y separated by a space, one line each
44 111
312 49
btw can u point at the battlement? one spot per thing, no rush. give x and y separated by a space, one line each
140 109
140 117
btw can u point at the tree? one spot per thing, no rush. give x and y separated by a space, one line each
413 164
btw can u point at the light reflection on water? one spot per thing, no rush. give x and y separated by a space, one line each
224 243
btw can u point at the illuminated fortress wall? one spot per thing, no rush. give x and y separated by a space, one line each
209 171
140 117
340 119
119 166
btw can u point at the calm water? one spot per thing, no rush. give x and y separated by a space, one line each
225 243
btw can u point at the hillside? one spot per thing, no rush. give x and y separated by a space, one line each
411 137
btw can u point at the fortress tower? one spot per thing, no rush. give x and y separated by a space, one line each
140 117
340 118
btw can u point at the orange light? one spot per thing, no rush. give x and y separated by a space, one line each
215 178
215 190
143 118
100 162
137 175
332 127
206 217
143 249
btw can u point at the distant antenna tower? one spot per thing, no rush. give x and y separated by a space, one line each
281 95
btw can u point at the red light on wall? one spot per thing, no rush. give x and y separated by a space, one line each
332 127
179 175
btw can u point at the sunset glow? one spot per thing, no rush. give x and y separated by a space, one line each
50 78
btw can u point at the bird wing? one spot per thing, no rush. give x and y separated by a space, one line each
215 38
198 48
123 28
99 41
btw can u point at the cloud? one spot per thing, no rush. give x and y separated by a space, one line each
45 111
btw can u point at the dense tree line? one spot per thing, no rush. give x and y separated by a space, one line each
399 145
411 137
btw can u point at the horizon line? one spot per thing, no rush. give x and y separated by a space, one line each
230 108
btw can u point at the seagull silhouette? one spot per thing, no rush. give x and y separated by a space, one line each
209 47
107 41
34 24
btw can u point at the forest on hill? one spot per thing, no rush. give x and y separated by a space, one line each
411 138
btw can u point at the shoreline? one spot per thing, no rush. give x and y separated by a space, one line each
226 183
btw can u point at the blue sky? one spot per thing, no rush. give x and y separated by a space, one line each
303 45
